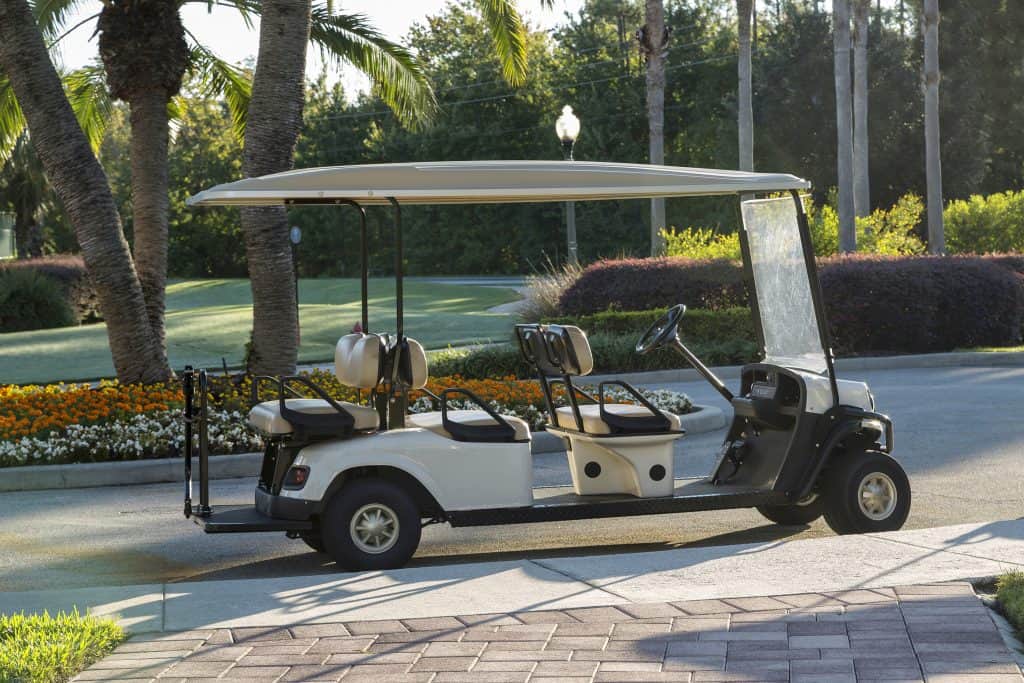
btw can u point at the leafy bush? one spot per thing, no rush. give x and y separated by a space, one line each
643 284
38 648
544 290
68 270
699 326
701 243
922 304
981 225
30 300
892 231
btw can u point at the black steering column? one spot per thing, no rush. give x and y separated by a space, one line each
665 332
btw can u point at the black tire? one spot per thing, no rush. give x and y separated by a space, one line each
800 513
376 496
844 512
314 540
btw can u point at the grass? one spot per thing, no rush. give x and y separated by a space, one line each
43 649
995 349
1010 595
210 319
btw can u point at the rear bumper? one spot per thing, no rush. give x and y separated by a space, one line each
279 507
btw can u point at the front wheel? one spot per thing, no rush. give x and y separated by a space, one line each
866 492
800 513
371 524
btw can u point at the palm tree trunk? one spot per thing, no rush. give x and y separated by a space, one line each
861 177
82 188
275 118
150 203
653 42
933 157
844 124
745 100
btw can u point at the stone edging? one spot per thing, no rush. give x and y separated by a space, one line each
87 475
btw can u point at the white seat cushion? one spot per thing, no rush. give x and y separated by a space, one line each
266 416
432 421
593 424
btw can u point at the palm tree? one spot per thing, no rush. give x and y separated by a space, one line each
25 192
275 117
653 38
861 178
80 183
744 8
844 125
933 157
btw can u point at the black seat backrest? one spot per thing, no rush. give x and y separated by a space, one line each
555 350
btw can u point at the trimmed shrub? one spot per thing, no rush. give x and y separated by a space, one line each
921 304
30 300
642 284
980 225
68 270
699 326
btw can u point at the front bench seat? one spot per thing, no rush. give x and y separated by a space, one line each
357 363
640 419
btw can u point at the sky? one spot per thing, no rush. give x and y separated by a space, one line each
224 31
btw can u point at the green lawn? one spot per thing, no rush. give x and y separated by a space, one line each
38 647
211 319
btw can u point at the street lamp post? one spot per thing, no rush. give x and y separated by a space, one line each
567 127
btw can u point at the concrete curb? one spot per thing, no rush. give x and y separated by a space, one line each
964 359
162 470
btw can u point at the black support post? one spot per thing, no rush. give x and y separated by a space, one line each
204 447
187 389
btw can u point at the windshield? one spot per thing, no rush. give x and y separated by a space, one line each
783 289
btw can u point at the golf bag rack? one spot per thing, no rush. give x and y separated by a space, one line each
196 419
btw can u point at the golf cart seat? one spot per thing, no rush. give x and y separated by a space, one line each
613 447
357 363
483 425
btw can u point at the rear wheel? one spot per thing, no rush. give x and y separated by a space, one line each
371 524
800 513
866 492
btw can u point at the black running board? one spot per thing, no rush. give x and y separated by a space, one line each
246 519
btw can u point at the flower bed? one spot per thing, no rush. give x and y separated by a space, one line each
74 423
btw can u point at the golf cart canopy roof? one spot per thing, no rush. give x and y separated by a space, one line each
489 182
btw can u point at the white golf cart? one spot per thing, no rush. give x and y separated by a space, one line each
359 481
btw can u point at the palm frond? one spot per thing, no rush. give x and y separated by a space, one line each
87 92
508 33
53 15
394 71
12 121
217 79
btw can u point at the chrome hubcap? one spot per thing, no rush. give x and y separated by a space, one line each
374 528
877 496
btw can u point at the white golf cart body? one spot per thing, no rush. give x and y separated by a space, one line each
790 415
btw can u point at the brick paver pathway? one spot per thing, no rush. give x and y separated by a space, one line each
936 633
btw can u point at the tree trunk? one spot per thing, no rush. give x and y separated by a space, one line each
653 42
275 118
745 99
933 157
81 185
150 202
844 124
861 171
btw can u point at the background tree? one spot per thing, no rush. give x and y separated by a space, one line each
79 182
861 167
653 38
744 9
844 124
25 192
933 156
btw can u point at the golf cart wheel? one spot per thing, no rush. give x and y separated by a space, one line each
800 513
371 524
866 492
314 540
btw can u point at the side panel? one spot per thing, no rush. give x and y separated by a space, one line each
459 475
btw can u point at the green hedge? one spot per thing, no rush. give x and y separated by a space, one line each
612 353
699 326
30 300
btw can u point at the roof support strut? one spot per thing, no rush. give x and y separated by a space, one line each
399 304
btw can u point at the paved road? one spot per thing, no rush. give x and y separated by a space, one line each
959 432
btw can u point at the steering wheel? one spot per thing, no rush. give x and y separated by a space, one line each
662 331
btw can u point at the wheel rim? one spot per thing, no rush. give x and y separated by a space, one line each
877 496
374 528
806 500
